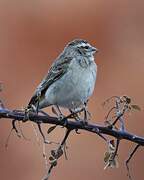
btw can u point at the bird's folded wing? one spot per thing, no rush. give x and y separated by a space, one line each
58 69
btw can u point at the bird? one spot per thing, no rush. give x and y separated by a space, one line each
70 80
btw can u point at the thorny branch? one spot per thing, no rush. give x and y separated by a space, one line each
93 128
115 115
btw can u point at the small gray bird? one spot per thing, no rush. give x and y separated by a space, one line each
71 79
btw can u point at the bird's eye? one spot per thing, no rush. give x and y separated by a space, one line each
86 47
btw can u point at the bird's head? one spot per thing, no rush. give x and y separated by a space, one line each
81 47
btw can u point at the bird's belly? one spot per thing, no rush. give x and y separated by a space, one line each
73 89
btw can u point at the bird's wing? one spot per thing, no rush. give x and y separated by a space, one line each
57 70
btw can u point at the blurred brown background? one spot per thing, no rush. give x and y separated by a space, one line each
32 34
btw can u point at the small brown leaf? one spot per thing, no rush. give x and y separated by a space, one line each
135 107
51 158
106 157
51 129
111 145
128 99
53 153
111 163
59 153
110 159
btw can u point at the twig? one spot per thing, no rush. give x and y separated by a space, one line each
58 153
116 149
109 113
8 138
42 134
65 151
45 156
15 129
36 134
21 132
118 117
129 158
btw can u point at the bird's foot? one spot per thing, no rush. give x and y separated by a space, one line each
64 120
61 117
26 114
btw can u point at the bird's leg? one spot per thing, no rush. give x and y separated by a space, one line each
29 109
87 114
75 115
26 114
59 112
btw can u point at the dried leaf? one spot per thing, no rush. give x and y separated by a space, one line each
135 107
111 146
51 158
109 158
59 153
53 153
111 163
51 129
127 99
106 157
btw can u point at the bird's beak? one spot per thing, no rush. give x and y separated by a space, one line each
95 50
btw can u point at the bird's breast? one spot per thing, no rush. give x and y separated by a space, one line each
83 79
74 88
